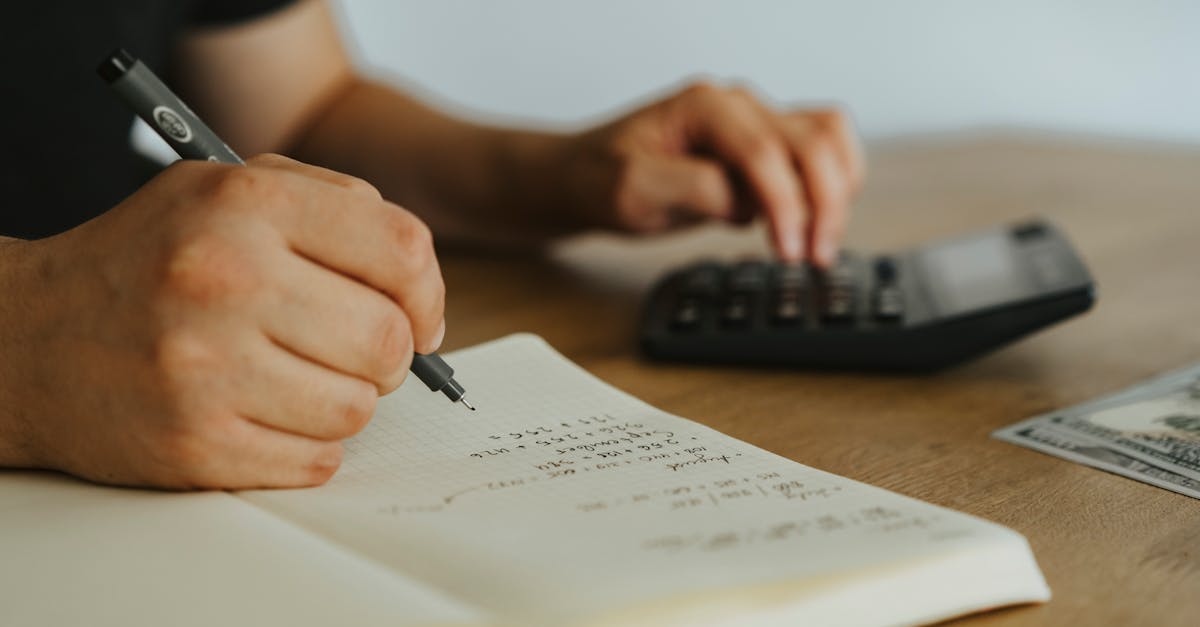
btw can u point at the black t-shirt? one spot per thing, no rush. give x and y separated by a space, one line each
66 157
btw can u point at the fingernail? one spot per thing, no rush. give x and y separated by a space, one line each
441 335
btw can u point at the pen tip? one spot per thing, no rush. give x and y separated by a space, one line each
464 402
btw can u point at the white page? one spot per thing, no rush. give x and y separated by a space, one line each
563 498
73 553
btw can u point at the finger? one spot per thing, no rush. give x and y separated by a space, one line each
352 184
337 322
821 161
371 240
252 455
674 188
292 394
738 133
839 130
828 191
832 211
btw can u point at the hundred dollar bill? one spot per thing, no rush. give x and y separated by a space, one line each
1149 432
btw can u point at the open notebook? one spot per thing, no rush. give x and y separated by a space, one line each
562 501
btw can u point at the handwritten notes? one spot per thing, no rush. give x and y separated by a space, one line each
564 497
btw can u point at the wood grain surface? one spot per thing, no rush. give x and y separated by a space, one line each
1115 551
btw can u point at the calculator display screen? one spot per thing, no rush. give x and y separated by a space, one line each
974 273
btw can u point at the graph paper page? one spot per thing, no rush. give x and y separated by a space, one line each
562 497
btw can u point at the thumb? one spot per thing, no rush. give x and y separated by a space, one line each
675 185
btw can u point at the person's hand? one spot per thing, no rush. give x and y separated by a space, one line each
223 327
712 152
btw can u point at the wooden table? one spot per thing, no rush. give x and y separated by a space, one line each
1115 551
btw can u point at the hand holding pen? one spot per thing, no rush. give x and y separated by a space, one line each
222 327
191 138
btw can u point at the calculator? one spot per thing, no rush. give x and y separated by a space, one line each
921 309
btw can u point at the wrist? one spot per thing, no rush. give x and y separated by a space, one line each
534 177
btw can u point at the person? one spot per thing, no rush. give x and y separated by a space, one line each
227 327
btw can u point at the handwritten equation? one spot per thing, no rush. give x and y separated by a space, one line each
600 445
722 492
880 519
603 442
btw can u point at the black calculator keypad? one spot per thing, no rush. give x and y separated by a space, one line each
746 294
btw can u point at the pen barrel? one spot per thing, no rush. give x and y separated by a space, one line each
433 371
159 107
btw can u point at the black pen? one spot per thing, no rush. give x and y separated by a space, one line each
155 103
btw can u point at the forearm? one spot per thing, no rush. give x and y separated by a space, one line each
467 181
285 84
15 445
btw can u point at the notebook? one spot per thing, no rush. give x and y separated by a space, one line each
561 501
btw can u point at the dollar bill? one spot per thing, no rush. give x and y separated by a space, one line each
1149 432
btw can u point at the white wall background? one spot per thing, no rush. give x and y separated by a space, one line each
1124 68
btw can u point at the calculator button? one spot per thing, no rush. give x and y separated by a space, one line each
838 304
791 276
748 276
889 304
789 307
686 315
735 310
704 280
841 275
885 270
